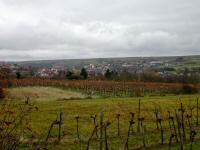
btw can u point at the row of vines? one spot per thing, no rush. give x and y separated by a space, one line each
109 88
177 127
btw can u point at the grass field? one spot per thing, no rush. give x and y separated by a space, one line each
43 94
50 101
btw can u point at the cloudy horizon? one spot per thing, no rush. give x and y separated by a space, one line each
71 29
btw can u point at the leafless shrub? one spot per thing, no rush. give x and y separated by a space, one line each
14 123
189 89
2 93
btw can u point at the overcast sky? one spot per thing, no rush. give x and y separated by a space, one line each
65 29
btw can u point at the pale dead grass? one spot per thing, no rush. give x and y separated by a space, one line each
42 94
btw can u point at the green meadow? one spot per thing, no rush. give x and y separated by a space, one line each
48 102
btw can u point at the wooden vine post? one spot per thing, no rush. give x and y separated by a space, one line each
161 131
77 127
94 122
59 125
56 122
90 138
118 127
179 130
131 123
172 128
143 131
106 136
192 131
138 126
101 130
132 120
156 114
193 134
197 112
182 110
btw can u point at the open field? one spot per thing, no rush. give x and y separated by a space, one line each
48 104
43 94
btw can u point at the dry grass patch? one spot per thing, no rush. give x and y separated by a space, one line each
43 94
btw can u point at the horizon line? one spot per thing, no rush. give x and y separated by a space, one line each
60 59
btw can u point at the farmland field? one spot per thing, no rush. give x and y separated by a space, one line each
99 75
48 102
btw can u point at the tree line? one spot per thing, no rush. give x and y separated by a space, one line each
148 75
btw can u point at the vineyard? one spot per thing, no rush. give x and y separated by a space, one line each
109 88
120 121
99 75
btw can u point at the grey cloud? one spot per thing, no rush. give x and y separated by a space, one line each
48 29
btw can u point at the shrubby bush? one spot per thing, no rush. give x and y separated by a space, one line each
15 126
2 93
189 89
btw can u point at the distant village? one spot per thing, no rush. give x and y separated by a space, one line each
91 69
163 69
